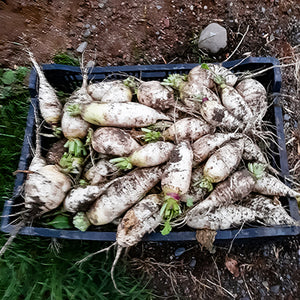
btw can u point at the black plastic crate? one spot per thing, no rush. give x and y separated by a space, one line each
68 78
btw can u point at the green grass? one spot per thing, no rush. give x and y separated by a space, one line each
14 103
29 269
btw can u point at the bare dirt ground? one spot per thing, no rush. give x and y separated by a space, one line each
164 31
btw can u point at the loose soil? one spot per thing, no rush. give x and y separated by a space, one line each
166 31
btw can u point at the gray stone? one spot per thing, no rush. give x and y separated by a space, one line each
286 117
87 33
193 262
275 289
297 37
213 38
179 251
81 47
263 10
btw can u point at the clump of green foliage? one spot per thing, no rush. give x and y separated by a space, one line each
11 82
65 59
31 271
14 102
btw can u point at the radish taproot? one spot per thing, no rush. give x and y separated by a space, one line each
81 197
73 126
142 218
113 141
121 114
211 74
197 191
201 75
259 209
192 94
154 94
252 152
224 217
255 95
207 144
45 186
123 193
236 104
270 185
110 91
237 186
102 171
175 182
270 212
223 162
217 115
50 106
189 129
149 155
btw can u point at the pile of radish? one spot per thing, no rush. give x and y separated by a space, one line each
188 143
150 155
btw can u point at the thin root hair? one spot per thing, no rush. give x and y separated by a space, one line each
118 255
95 253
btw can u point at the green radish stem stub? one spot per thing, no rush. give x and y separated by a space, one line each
123 163
81 221
257 169
76 147
74 110
204 183
174 80
170 210
204 66
151 135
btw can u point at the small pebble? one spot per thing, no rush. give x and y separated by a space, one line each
81 47
205 7
297 37
265 284
193 262
87 33
262 292
158 7
263 10
286 117
179 251
275 289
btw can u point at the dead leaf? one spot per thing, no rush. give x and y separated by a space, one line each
232 266
206 238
